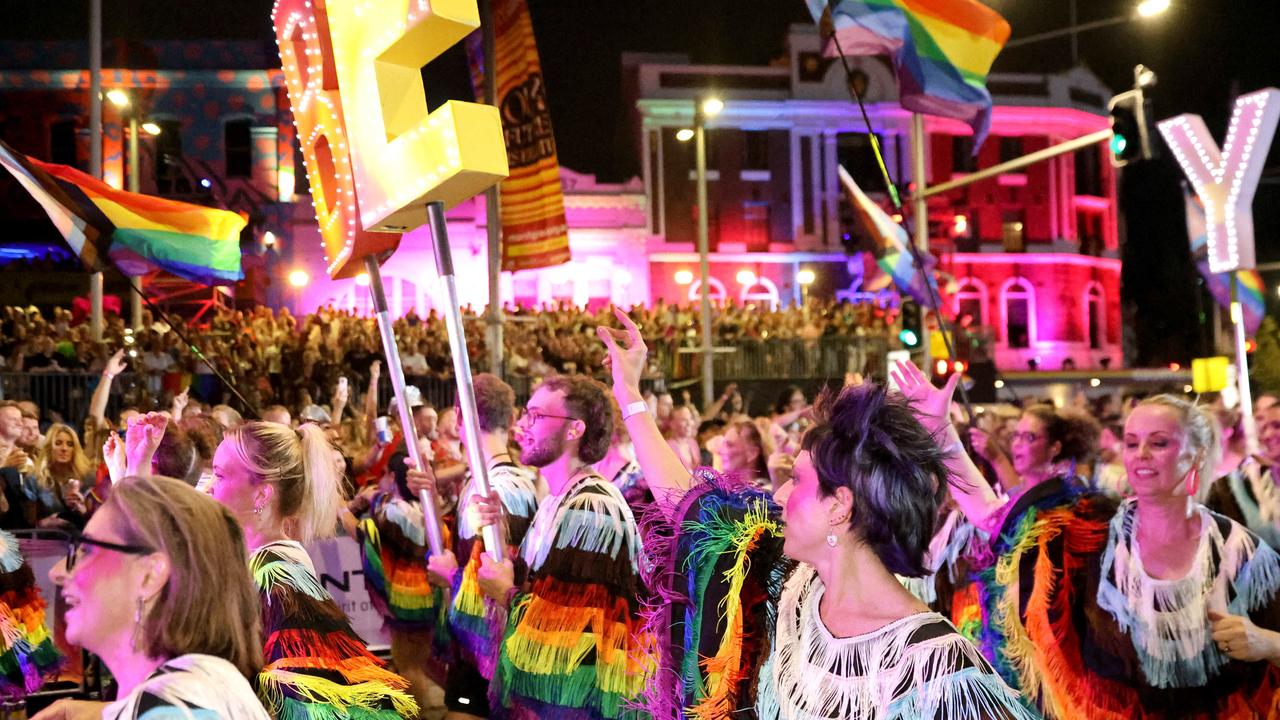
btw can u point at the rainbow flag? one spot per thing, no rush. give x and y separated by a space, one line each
895 259
1253 303
138 233
942 50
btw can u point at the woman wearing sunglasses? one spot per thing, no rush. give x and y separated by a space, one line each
155 588
283 487
1156 609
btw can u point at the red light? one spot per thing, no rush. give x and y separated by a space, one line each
960 366
941 367
1175 367
1250 345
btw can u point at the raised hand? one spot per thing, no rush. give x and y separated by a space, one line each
627 352
932 405
113 456
115 364
141 441
180 402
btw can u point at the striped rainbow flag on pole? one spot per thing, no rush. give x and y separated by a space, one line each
942 50
896 259
137 232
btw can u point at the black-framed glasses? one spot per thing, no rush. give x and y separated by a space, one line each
531 417
77 540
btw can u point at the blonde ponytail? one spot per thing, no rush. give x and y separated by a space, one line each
322 494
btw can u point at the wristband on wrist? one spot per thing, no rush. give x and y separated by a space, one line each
634 408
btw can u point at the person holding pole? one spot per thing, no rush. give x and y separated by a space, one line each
476 621
572 645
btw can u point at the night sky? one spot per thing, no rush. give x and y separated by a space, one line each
1204 51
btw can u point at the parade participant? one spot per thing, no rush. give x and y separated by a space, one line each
1160 609
27 652
1247 491
281 484
571 647
849 640
156 589
475 621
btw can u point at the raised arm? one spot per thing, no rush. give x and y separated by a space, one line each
626 361
98 403
968 487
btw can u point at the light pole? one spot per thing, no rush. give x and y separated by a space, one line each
708 107
1144 9
124 103
95 147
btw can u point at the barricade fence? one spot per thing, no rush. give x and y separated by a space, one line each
671 364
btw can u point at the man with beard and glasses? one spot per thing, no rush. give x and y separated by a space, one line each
571 646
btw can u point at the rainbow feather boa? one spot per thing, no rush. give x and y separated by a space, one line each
29 656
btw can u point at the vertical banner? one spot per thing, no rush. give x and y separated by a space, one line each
534 231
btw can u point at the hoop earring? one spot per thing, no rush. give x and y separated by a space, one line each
1193 485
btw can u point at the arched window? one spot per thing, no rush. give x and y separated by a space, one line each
971 299
237 146
762 291
1095 315
716 291
1018 304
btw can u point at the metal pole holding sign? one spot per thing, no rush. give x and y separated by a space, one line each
430 511
1242 369
493 543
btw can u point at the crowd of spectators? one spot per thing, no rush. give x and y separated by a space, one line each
280 358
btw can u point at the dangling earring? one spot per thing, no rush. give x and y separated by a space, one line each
137 625
1193 485
831 538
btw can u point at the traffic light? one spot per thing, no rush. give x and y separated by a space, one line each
912 325
1130 130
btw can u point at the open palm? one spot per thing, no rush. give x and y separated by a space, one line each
932 404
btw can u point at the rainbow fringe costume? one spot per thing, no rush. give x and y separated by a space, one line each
393 554
475 621
317 667
717 577
571 648
28 656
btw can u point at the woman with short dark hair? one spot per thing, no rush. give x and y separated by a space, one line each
848 640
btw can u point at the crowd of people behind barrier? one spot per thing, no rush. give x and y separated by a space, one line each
279 358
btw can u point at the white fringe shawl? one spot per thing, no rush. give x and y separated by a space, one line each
198 687
1168 620
810 675
593 522
516 489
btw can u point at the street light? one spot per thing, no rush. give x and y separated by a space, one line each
299 278
124 103
151 128
1144 9
118 97
806 277
703 109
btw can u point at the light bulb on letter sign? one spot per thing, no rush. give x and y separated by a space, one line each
1226 179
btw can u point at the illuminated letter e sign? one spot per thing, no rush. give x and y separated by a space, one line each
374 155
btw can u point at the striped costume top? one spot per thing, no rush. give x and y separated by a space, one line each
571 648
317 667
27 653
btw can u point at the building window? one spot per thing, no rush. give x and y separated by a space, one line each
755 150
715 291
1010 148
1012 226
237 147
806 182
1089 172
971 300
62 142
855 153
1018 300
170 180
1095 316
962 159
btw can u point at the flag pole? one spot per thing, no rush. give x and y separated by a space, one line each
430 511
493 541
921 220
95 148
920 215
1242 368
492 206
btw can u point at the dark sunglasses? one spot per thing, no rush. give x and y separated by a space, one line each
77 540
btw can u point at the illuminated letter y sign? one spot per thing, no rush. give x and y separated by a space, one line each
1226 179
